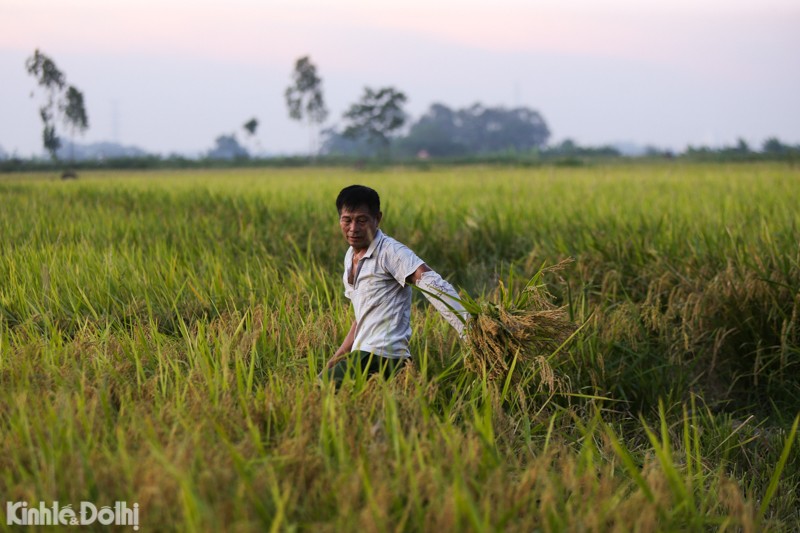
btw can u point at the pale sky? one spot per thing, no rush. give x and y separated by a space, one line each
172 75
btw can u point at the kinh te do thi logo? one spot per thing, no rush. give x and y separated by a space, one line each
22 514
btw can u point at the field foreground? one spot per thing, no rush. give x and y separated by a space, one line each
161 333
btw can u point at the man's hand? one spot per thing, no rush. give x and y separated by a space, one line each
335 359
345 348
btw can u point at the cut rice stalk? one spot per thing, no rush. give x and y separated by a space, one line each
529 327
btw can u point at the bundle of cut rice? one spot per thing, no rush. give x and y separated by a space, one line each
528 328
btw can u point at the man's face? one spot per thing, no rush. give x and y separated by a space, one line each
359 226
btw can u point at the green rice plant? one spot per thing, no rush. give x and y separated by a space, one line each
161 334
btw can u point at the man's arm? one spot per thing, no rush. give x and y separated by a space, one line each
415 277
346 347
438 291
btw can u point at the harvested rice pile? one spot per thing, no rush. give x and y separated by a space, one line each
529 327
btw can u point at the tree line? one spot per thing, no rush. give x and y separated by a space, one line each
374 126
371 124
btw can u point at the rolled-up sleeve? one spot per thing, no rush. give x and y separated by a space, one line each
399 261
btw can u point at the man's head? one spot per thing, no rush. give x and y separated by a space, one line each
359 215
359 196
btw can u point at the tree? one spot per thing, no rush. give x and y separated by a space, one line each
335 143
774 146
376 116
304 97
49 77
742 147
435 133
227 147
74 113
444 132
250 128
494 129
69 105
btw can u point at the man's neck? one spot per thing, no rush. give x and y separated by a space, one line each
362 251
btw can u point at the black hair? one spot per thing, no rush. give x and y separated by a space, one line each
357 195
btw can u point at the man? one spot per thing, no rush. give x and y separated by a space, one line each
378 271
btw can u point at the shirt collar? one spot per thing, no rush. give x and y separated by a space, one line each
374 243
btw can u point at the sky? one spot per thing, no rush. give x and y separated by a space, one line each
170 76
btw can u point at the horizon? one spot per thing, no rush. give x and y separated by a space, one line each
170 77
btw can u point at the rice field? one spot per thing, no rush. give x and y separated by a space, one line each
161 334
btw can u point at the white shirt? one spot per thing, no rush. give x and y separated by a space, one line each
381 298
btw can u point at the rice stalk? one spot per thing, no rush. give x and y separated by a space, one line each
518 334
